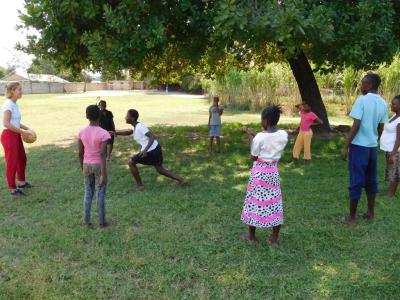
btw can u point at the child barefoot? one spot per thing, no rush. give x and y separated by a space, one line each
308 119
92 142
150 153
214 123
369 115
263 204
390 143
107 123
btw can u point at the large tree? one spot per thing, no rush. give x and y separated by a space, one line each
132 34
42 66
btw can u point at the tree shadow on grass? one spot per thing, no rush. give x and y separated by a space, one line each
173 241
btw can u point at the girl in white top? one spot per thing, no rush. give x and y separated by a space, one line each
263 204
150 152
11 140
390 143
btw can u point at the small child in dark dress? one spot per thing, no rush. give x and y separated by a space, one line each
107 123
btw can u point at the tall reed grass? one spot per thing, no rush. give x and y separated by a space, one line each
253 89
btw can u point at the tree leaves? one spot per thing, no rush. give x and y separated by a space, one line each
124 34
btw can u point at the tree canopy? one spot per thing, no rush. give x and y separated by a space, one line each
121 34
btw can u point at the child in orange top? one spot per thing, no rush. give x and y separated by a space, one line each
308 119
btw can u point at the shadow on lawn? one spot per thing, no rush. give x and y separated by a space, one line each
176 241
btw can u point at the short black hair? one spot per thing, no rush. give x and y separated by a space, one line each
93 112
102 101
397 98
373 79
133 113
272 113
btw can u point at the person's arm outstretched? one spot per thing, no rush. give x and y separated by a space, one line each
249 131
353 132
122 132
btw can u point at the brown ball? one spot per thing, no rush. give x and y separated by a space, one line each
32 137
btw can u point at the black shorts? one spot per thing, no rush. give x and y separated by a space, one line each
153 158
111 141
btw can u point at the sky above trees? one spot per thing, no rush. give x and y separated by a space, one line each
10 36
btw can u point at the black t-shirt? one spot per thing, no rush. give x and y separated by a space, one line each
106 120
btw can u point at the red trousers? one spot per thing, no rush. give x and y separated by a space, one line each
15 157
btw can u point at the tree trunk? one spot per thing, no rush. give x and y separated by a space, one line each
309 90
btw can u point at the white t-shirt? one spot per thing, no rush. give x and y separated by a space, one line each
269 146
389 134
139 135
10 105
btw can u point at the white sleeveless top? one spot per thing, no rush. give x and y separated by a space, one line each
388 138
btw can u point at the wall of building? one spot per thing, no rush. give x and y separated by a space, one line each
29 87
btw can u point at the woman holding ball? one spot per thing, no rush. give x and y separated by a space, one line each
11 139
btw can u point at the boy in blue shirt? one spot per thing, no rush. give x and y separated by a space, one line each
361 149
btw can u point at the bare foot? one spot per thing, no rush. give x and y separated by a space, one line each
104 225
272 241
139 187
248 238
181 181
347 220
368 216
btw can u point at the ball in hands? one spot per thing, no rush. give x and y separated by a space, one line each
31 138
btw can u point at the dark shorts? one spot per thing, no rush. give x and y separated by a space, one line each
111 141
153 158
363 168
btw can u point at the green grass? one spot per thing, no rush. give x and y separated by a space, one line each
183 242
58 117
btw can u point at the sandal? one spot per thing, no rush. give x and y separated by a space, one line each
18 193
26 185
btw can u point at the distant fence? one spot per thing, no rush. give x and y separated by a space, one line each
30 87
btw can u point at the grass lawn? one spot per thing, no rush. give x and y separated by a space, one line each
57 117
183 242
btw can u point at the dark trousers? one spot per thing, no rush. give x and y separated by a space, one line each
363 168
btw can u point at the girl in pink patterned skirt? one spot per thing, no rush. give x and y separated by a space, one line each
263 204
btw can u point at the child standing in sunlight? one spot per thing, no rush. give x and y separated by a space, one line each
263 204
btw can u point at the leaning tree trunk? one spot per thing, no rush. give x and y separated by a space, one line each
308 88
